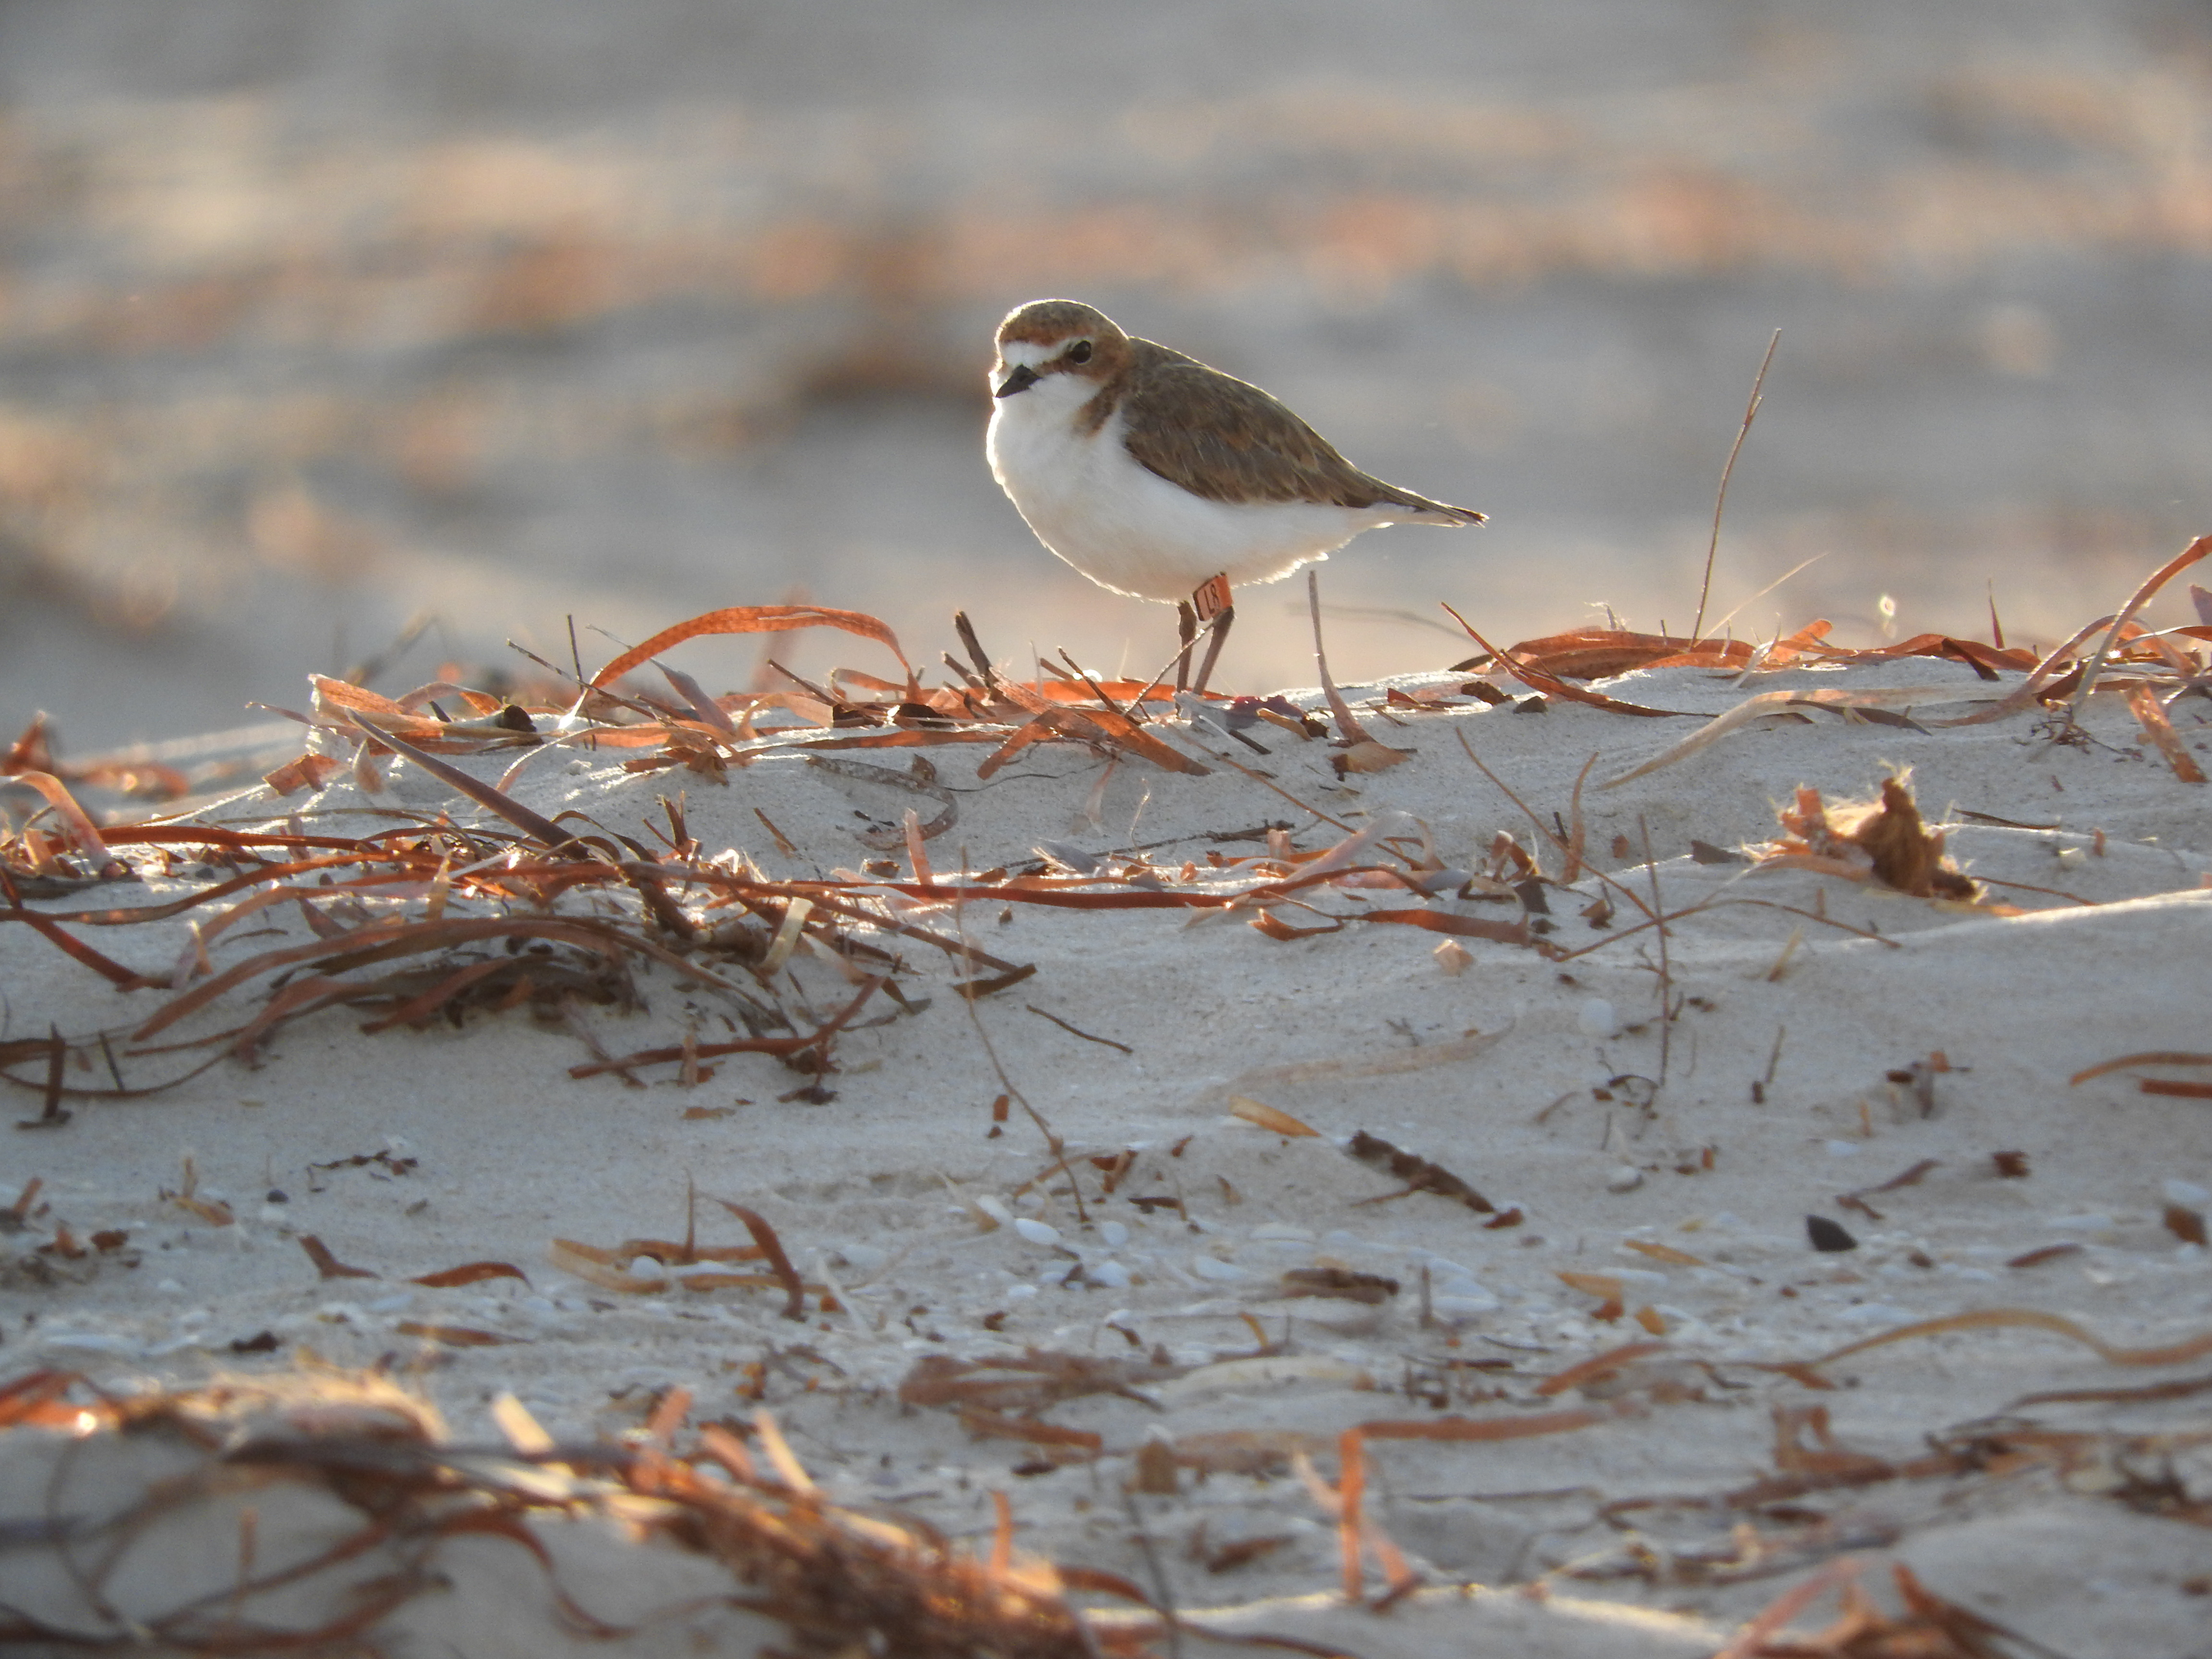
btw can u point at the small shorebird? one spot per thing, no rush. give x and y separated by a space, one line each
1164 479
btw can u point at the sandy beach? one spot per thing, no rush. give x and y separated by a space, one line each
1105 1110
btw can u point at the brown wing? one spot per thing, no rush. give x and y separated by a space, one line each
1226 439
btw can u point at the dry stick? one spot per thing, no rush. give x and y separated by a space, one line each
1258 777
1052 1140
1712 548
1182 655
1076 1031
1098 691
1705 904
585 686
1162 1590
1666 971
977 656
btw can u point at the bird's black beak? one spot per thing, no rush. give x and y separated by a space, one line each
1019 378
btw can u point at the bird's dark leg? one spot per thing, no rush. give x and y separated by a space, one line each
1219 629
1186 630
1209 605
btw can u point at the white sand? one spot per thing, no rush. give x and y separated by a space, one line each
1499 1073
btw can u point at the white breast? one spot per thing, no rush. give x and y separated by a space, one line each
1127 528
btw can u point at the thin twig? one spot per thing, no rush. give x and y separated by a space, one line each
1719 903
1161 1588
1666 971
1074 1031
1802 565
1546 831
1052 1140
1261 778
1713 547
1099 691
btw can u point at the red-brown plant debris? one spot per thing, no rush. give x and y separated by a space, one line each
1028 1381
835 1583
1927 1627
1884 839
711 918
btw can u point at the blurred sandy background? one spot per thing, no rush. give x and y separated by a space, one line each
318 316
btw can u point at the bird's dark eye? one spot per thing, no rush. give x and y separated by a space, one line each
1079 352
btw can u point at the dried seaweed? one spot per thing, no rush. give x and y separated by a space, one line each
1030 1380
1419 1174
1930 1627
2155 1057
2028 1318
527 861
834 1581
1884 840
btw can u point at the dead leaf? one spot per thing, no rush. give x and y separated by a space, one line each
1266 1117
328 1265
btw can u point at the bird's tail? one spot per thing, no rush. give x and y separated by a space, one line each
1430 512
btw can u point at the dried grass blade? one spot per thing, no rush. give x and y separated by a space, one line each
30 1400
2143 704
1351 1486
777 1450
301 996
1521 1427
469 1272
454 1336
2199 548
75 818
1263 1115
1598 1366
2153 1057
1552 686
595 1266
206 990
1352 732
2039 680
344 693
1571 871
1750 1641
222 889
1597 654
1102 727
381 940
1033 730
986 1424
1773 702
709 712
772 1248
328 1265
541 829
752 619
782 1047
1444 921
124 979
2032 1318
420 1009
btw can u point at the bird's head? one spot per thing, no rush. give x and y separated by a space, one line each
1055 336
